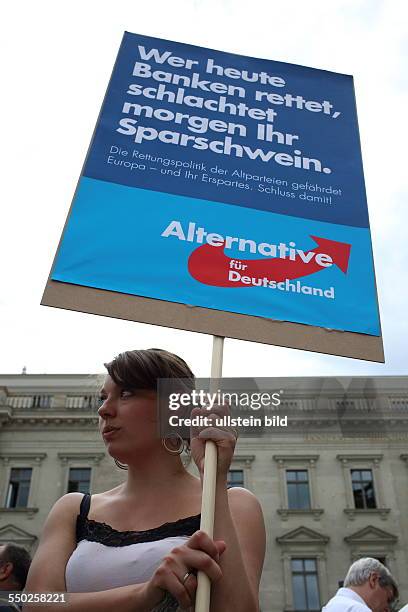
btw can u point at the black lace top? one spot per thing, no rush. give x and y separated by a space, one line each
95 531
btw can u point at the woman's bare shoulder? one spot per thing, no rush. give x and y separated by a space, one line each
67 504
243 503
240 493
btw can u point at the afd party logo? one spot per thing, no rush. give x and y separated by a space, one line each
280 262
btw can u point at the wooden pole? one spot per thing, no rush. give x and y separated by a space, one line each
203 593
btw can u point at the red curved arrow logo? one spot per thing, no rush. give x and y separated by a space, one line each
209 265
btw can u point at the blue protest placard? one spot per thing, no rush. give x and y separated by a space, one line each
226 182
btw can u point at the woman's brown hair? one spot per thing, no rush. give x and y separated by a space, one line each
140 369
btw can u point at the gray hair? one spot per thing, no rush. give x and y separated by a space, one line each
361 570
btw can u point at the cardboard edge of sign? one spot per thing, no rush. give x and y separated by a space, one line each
216 322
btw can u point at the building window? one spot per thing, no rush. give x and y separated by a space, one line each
19 488
305 585
363 489
297 485
235 478
297 482
79 479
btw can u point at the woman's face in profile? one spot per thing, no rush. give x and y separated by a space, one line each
127 419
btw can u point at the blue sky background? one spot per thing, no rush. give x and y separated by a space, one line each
55 76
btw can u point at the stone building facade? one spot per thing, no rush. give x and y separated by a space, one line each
327 499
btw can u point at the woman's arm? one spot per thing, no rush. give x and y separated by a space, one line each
238 522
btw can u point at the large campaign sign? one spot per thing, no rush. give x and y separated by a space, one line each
225 182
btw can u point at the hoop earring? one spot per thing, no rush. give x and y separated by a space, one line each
120 465
173 451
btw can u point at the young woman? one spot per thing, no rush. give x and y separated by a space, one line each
138 546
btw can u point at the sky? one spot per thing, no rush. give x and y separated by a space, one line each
57 60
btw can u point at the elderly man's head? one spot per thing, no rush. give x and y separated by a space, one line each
373 582
14 565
